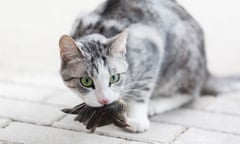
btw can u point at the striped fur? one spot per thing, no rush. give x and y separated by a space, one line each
163 55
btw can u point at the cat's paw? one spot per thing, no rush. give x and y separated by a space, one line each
138 125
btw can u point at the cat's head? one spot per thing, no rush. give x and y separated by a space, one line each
94 67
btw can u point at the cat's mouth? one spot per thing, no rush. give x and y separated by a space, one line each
104 102
99 104
96 117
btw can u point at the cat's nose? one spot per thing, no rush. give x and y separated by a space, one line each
104 101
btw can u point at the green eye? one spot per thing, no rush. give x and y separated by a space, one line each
86 82
114 78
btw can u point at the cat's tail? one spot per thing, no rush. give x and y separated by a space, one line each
215 85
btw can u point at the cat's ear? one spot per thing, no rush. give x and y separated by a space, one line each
118 43
68 48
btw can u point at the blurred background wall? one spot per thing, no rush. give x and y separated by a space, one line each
29 33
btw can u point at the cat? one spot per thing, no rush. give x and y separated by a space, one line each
148 52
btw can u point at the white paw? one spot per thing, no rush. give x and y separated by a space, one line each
138 125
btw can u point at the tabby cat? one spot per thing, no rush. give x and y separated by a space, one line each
148 52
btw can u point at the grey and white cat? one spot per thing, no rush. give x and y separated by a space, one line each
148 52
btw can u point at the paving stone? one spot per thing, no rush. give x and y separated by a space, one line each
64 98
24 92
201 119
157 132
5 142
201 103
37 79
30 112
196 136
227 103
33 134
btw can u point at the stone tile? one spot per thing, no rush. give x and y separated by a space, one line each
5 142
201 119
68 123
24 92
33 134
196 136
29 112
37 79
227 103
157 132
64 98
201 102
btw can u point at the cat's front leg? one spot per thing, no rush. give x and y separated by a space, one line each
137 116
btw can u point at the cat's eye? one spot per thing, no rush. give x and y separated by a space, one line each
114 78
86 82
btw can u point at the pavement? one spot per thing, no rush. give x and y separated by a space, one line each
30 113
32 92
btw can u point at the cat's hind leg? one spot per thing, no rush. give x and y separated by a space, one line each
162 104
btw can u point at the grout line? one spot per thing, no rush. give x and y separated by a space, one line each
129 139
22 121
8 142
55 106
29 84
192 126
96 133
101 133
184 130
42 102
30 101
126 138
58 119
6 124
214 112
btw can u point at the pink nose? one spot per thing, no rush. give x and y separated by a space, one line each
103 101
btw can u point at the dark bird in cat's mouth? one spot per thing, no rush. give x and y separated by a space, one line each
100 116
